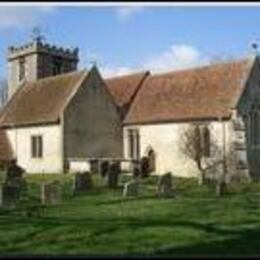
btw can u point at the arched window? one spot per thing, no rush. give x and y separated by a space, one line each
151 159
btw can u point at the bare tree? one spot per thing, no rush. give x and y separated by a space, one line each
209 156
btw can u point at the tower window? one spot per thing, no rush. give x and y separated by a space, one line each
21 69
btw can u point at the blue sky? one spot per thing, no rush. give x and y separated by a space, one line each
126 39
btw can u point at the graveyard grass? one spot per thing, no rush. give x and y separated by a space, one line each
101 222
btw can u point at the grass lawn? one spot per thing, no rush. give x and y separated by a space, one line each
101 222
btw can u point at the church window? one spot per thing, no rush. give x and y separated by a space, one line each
36 146
205 139
151 160
133 143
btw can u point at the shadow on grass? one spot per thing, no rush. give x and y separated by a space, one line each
245 242
128 222
234 242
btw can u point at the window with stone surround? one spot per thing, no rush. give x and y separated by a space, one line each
36 146
205 134
133 143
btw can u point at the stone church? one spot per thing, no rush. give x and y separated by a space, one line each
60 119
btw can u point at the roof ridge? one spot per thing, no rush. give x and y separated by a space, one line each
149 107
201 67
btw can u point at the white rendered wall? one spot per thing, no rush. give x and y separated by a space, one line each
165 141
52 160
79 166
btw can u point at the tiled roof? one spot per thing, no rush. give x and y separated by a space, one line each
124 88
41 101
207 92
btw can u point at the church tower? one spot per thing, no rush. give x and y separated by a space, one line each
38 60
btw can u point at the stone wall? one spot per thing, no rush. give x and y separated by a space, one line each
39 62
92 126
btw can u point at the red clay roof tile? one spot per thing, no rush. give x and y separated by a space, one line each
202 93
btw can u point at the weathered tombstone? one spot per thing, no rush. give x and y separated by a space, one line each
51 193
10 195
136 172
165 188
104 167
144 165
94 166
113 174
82 182
131 189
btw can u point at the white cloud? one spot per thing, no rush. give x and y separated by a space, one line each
124 13
21 16
110 71
175 58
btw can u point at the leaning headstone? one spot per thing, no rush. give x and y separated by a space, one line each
131 189
113 174
82 182
165 188
51 193
104 167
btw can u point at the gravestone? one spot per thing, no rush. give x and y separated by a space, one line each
82 182
131 189
14 176
136 172
113 174
94 165
165 188
104 167
9 195
51 193
144 165
14 173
